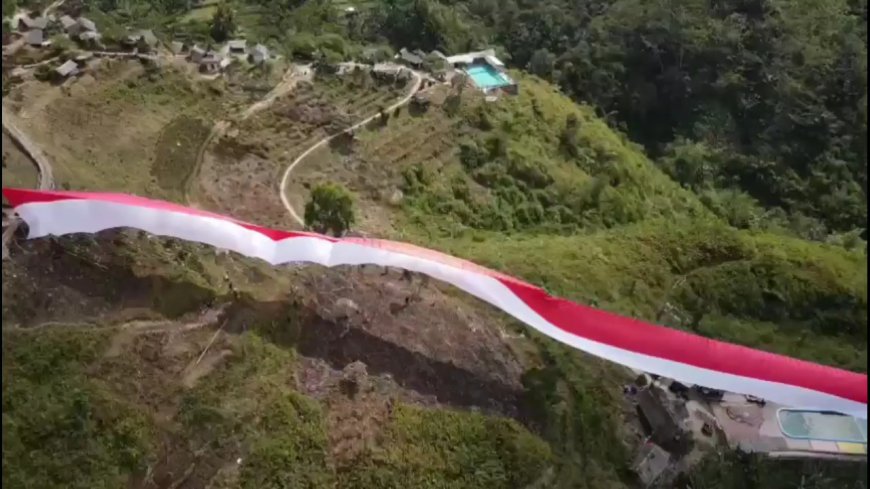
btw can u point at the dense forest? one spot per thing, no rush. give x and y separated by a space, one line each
759 106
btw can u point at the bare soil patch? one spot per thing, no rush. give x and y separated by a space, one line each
240 171
372 163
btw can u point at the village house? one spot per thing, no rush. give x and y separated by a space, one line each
26 23
414 59
211 63
68 69
196 54
35 38
90 37
144 40
147 39
662 424
86 25
68 24
259 54
237 46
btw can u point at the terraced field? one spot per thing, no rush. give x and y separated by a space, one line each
240 171
373 163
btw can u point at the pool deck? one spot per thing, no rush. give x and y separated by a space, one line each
756 428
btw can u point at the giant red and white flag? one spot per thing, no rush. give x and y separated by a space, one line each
642 346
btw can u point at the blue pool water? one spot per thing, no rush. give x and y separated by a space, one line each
485 76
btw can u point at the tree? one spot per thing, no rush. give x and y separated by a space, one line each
541 63
330 209
384 115
223 23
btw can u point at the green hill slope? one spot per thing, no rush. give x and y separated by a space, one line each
538 162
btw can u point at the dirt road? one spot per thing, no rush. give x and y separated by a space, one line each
291 78
46 177
10 125
286 177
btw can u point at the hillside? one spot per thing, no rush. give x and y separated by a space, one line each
766 99
145 362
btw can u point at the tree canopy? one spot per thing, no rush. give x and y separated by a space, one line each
330 209
764 97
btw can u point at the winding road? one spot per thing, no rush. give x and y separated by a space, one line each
286 177
43 166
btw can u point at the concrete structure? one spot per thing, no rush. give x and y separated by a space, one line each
259 54
197 54
485 70
67 23
90 36
147 39
211 63
650 463
34 37
177 47
415 59
26 23
68 69
465 59
237 46
85 24
659 420
759 428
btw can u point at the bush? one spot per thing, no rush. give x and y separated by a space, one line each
330 209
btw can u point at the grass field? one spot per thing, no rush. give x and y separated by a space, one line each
109 131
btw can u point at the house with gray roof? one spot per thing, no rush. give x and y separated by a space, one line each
259 54
90 36
70 68
26 23
237 46
212 62
148 38
34 37
410 58
86 24
177 47
197 54
67 23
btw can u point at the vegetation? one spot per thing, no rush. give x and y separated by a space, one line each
674 257
223 22
446 449
730 96
736 470
62 429
702 167
330 209
177 151
537 162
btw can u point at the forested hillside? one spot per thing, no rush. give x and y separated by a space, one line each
759 105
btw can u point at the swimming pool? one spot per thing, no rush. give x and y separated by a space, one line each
814 425
485 76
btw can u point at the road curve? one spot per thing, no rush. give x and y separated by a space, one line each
10 125
43 166
286 177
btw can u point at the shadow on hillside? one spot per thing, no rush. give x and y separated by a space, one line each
90 285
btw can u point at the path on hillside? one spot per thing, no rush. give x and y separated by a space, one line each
43 167
286 177
291 78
